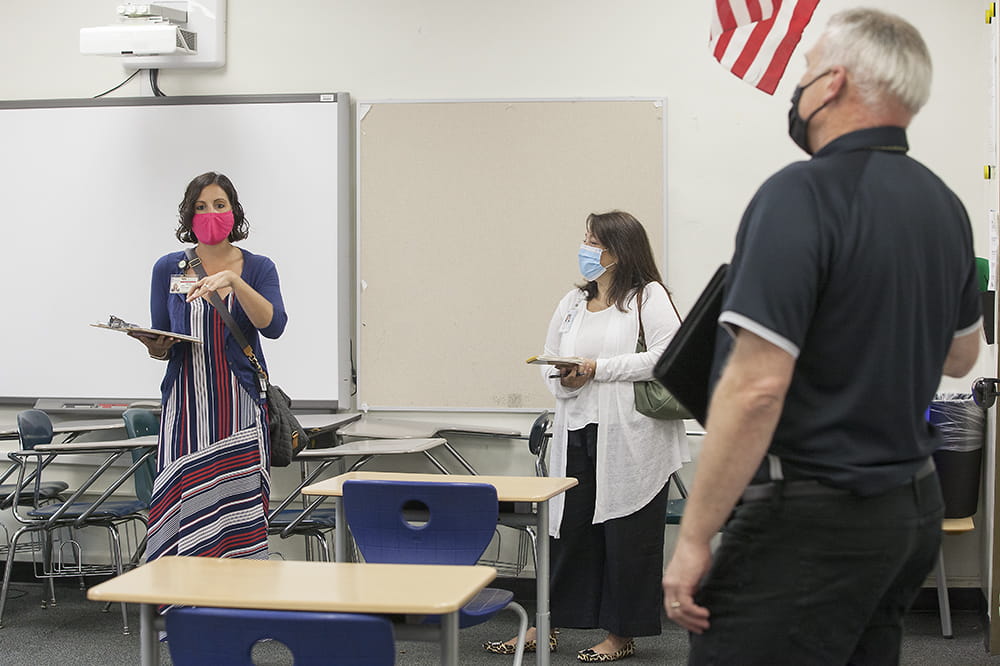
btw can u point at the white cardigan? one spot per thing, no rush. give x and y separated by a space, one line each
635 454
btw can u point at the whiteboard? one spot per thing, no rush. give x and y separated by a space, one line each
470 214
90 190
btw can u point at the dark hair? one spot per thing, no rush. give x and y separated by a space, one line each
185 211
625 237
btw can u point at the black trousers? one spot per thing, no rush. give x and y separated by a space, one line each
819 580
607 575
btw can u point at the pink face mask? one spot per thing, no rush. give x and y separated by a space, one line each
212 228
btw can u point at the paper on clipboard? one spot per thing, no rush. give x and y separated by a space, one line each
116 324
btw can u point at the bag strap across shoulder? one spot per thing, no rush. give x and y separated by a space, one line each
638 298
194 261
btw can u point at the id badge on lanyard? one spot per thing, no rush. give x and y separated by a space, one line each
567 322
181 284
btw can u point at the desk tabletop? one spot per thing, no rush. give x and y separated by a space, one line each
509 488
321 422
88 425
74 427
372 447
145 441
295 585
385 428
957 525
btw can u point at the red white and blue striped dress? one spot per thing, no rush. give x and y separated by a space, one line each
211 490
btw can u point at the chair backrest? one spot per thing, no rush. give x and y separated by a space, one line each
33 427
538 442
139 423
460 520
215 636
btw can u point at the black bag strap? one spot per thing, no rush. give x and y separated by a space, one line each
194 261
638 298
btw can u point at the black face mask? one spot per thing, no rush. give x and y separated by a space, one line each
798 129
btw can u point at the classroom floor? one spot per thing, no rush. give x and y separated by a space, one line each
77 632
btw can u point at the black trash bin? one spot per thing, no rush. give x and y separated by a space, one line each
962 424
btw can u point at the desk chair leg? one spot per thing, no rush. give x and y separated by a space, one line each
944 605
522 631
434 461
543 612
534 547
116 553
323 550
12 549
458 456
47 550
449 645
140 550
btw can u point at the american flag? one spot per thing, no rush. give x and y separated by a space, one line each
754 39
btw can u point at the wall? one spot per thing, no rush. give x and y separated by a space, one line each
724 137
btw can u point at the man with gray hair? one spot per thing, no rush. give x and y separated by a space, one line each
851 290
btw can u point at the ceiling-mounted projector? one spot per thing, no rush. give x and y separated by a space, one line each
143 30
125 40
171 33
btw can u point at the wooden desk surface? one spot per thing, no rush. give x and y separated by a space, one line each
98 447
957 525
509 488
294 585
371 447
384 428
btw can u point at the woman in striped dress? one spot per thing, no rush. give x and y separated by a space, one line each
211 491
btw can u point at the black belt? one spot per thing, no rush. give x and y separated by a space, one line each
810 487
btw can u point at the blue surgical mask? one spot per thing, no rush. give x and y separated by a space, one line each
590 262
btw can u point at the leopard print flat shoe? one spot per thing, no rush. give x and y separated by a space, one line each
502 647
590 656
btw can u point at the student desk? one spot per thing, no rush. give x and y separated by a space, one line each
314 424
71 429
538 490
320 424
382 428
114 449
366 449
306 586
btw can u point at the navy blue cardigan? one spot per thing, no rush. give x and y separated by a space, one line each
170 312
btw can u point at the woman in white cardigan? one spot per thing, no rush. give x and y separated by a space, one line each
607 556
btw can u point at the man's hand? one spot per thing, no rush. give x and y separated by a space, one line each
687 567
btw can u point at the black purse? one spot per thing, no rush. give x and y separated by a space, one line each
652 398
287 435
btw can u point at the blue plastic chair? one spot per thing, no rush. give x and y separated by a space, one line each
456 524
40 519
226 636
316 526
139 423
34 427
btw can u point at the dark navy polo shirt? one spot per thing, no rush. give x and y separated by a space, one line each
858 263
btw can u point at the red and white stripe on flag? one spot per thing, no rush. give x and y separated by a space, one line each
754 39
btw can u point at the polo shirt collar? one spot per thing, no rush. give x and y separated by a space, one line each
873 138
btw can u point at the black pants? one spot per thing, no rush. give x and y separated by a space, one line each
607 575
819 580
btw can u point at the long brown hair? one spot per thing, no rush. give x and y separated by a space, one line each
625 237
